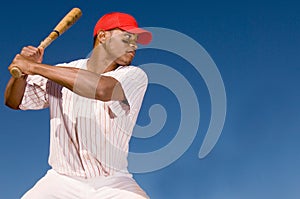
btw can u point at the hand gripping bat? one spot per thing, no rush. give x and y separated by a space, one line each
69 19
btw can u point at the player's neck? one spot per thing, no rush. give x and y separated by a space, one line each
99 62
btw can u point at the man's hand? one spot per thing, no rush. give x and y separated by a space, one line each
26 58
33 53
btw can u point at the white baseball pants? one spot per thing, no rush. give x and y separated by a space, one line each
54 185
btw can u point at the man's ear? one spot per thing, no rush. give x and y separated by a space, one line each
101 36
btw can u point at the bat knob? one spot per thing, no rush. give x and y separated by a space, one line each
16 72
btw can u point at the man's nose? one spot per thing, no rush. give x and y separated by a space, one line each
133 45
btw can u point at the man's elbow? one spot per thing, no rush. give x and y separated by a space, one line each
11 104
103 94
108 92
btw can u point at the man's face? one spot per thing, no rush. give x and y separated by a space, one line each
121 46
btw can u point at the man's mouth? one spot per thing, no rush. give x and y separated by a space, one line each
131 53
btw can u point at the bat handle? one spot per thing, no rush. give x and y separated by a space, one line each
16 72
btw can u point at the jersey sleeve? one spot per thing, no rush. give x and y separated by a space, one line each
35 95
134 83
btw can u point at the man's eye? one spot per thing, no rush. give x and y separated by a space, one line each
127 41
127 36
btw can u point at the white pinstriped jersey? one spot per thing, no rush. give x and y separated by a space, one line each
86 139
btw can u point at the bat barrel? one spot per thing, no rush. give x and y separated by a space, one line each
68 21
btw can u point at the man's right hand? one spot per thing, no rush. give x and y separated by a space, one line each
26 58
33 53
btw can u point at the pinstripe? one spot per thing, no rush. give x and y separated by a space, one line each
86 141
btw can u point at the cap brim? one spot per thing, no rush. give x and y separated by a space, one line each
144 36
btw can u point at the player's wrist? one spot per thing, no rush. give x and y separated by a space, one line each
34 69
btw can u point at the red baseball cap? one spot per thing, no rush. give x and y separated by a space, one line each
125 22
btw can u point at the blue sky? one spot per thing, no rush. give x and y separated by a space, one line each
255 46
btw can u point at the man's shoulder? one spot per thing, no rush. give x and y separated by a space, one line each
128 73
78 63
130 68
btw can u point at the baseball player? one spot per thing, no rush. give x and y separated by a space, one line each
94 103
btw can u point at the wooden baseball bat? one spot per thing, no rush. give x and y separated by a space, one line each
69 19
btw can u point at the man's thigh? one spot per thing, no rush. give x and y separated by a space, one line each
118 188
53 185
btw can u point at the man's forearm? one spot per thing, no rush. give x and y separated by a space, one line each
14 92
82 82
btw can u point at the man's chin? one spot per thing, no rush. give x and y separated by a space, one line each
127 64
124 62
